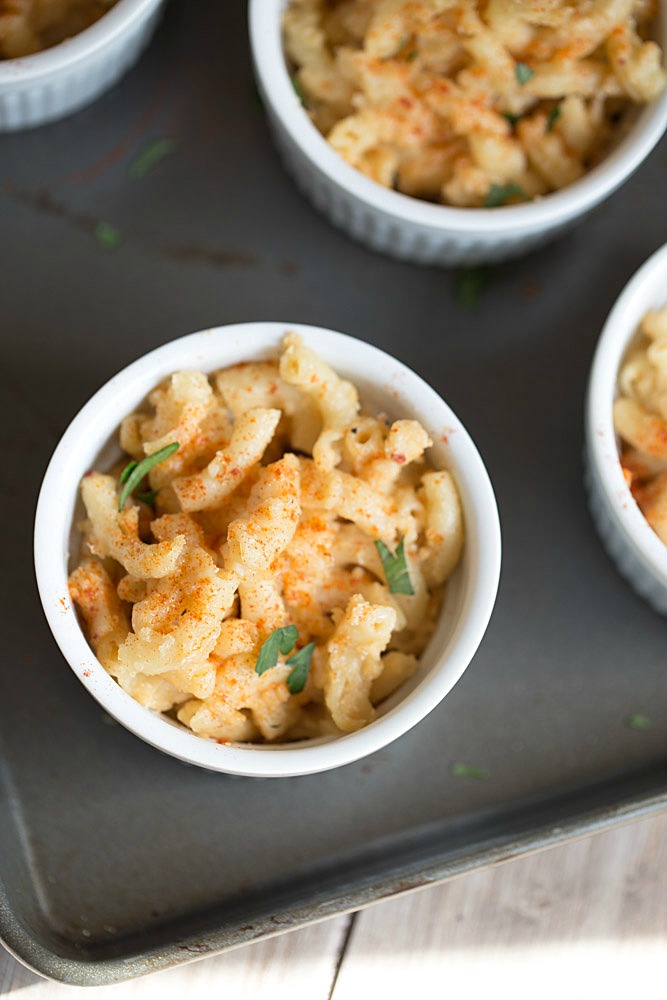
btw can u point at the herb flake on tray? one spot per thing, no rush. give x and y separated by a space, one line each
470 285
107 235
638 721
467 771
151 156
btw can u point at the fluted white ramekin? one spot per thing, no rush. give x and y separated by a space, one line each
53 83
639 554
409 228
385 384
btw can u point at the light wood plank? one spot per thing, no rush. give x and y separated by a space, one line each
583 920
586 919
295 966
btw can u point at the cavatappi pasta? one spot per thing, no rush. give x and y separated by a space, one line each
28 26
640 420
263 524
472 102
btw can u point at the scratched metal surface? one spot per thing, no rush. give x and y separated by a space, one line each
116 860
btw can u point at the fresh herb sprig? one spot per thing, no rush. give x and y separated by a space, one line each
283 640
134 472
395 568
523 73
554 115
300 662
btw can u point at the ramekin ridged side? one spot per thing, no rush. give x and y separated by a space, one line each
639 555
54 83
409 228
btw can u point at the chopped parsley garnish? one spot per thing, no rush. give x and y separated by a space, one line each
107 235
554 115
466 771
395 568
402 45
511 118
281 640
470 285
150 156
500 194
523 73
300 661
147 496
638 721
134 472
298 90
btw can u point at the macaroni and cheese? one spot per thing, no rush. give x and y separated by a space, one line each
28 26
640 420
270 563
472 102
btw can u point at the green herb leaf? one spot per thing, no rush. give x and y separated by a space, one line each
107 235
298 89
471 283
300 661
127 470
147 496
132 478
151 156
554 115
523 73
512 119
466 771
281 640
498 194
411 56
638 721
395 568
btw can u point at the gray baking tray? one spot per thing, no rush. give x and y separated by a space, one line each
116 860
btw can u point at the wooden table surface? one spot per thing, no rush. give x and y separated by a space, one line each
585 920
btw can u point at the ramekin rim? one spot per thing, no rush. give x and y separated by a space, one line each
581 195
257 761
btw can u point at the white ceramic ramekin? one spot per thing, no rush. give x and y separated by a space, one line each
409 228
383 383
639 554
51 84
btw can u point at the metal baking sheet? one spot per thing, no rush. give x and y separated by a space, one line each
116 860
